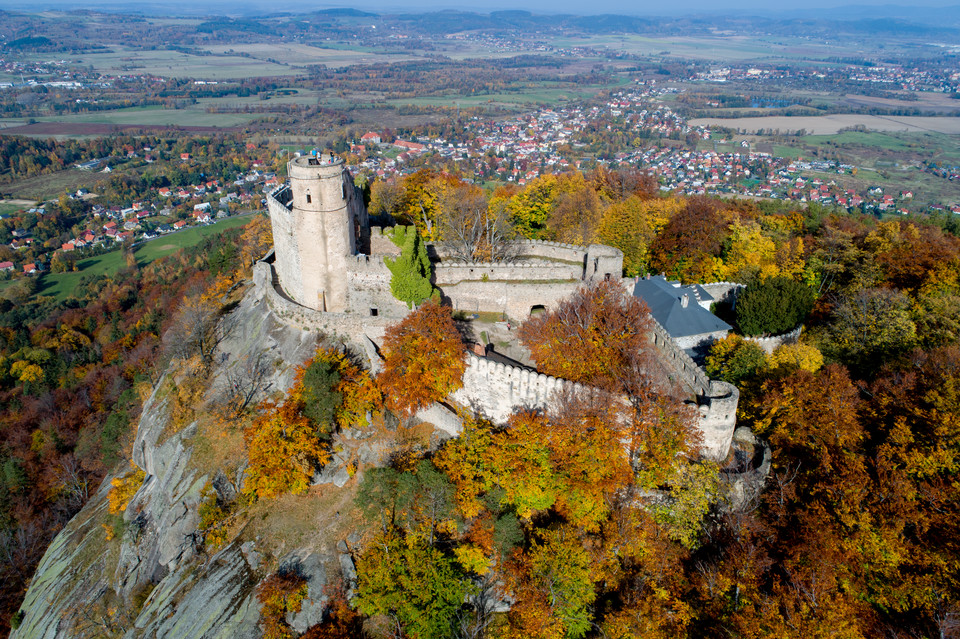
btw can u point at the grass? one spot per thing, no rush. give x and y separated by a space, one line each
194 115
176 64
303 54
62 285
9 209
532 96
46 187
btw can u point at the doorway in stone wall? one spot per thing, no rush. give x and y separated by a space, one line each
538 309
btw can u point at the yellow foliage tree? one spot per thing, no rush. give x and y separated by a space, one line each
631 225
790 358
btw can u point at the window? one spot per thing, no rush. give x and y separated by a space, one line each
308 198
374 312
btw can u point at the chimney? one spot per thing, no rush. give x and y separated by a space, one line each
684 300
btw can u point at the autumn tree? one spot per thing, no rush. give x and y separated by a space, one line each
475 230
871 326
689 246
599 336
424 359
733 359
415 585
631 226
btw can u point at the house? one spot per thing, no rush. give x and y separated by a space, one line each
179 224
370 138
203 206
201 216
6 266
184 156
682 311
29 269
69 246
410 146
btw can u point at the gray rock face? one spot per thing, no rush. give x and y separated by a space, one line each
88 587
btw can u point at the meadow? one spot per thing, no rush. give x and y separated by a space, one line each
832 124
177 64
62 285
303 55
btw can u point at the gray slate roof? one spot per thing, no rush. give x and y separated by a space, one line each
666 302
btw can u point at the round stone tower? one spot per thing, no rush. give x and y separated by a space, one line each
316 225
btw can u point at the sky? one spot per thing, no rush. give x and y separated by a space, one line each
635 7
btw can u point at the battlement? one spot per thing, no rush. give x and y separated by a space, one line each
496 389
688 373
313 166
281 196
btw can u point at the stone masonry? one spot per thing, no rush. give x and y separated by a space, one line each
327 272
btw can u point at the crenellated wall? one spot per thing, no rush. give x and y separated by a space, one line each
496 390
772 343
516 271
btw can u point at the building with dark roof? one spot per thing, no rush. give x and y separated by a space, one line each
682 311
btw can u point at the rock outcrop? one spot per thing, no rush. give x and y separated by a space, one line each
156 579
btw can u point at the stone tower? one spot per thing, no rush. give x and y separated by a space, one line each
317 223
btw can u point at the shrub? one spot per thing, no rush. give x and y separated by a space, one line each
773 306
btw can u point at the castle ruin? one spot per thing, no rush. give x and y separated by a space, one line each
327 272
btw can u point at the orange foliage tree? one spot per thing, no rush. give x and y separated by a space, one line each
424 359
599 336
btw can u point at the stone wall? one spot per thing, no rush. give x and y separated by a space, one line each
354 326
517 271
723 291
514 299
368 288
496 390
772 343
693 378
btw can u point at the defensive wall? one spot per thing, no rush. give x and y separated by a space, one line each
716 400
772 343
496 390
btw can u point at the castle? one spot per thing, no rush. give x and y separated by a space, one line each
327 272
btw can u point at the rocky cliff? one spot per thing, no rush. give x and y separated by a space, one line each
156 578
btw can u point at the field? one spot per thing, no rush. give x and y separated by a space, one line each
175 64
832 124
61 285
303 55
545 94
47 187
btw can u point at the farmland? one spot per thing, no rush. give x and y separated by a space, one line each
833 124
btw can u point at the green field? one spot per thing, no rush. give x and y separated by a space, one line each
193 115
62 285
303 55
52 185
176 64
534 95
9 209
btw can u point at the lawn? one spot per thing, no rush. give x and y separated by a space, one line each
61 285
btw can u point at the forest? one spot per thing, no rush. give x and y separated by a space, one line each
599 518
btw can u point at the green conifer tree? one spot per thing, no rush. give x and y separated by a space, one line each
411 271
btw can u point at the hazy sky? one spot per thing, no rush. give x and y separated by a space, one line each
637 7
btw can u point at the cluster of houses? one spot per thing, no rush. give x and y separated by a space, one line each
525 147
